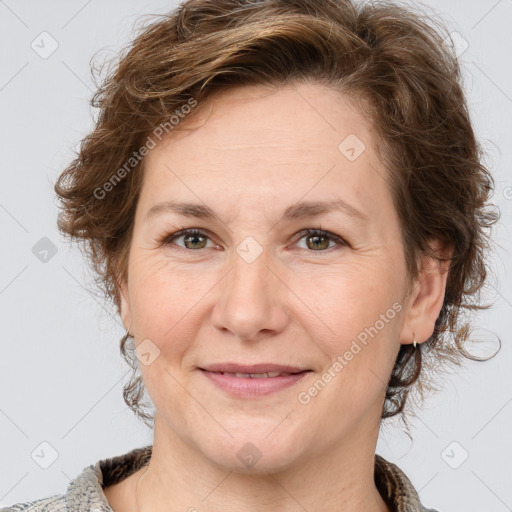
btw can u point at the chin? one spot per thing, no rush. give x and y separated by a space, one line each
253 451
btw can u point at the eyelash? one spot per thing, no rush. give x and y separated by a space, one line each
167 239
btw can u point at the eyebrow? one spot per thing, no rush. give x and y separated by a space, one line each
297 211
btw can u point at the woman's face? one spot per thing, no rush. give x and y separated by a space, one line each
254 288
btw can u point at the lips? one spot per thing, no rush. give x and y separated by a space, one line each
253 381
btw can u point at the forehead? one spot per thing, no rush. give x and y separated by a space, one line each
304 141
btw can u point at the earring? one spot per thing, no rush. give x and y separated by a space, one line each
414 343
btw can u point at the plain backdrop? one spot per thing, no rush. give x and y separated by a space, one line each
61 374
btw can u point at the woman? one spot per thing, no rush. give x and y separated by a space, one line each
286 203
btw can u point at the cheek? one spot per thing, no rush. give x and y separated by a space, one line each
163 300
361 318
345 301
361 342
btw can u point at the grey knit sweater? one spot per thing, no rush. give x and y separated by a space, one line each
85 492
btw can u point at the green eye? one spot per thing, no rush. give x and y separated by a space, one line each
192 239
317 240
320 239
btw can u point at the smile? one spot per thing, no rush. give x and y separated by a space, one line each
250 385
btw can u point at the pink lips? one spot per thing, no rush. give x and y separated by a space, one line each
253 380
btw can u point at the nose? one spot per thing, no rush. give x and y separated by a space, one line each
251 300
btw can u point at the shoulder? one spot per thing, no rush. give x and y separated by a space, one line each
396 489
55 503
85 492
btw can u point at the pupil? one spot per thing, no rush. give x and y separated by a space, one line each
193 237
316 238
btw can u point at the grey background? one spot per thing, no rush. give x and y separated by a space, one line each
61 373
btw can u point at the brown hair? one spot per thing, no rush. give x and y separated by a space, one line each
388 58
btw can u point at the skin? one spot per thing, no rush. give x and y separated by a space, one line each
249 153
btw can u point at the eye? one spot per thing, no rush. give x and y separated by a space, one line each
317 240
192 239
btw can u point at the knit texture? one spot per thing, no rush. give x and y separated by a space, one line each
85 492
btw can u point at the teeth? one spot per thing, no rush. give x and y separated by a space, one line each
255 375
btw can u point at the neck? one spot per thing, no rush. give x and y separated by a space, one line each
178 478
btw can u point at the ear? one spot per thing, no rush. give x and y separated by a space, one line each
426 297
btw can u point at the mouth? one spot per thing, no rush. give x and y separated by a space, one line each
254 369
264 375
252 381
